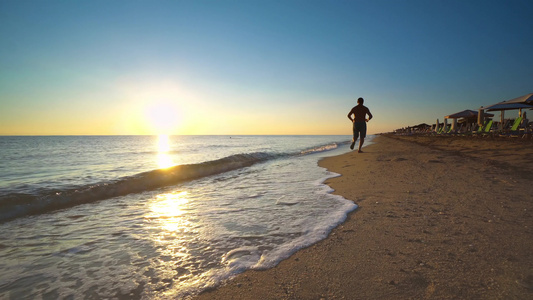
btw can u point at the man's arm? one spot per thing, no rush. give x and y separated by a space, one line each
350 115
369 115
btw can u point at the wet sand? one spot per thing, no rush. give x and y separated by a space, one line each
438 218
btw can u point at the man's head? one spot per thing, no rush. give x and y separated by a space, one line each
360 100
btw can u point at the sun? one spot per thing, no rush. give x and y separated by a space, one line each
164 117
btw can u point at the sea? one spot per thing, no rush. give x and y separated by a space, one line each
157 217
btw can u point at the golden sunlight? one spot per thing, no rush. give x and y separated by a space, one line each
163 146
163 116
166 207
163 143
169 204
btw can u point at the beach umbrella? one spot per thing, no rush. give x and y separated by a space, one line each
445 124
503 106
437 126
519 103
467 114
421 126
507 106
462 114
527 99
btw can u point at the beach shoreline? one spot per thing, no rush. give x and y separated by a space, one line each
437 219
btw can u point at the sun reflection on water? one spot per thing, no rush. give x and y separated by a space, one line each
175 237
163 147
166 208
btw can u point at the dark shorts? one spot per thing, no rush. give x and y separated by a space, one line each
359 130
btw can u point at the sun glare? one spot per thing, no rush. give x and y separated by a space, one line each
163 117
163 143
163 157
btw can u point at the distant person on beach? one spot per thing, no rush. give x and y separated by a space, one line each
359 120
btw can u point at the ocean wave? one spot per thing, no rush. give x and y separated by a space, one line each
14 205
321 148
31 202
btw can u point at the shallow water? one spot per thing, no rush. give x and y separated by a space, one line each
166 242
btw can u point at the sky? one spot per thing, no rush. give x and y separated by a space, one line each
255 67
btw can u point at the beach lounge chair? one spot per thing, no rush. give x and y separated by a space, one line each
485 131
449 130
488 127
507 124
481 129
511 129
516 123
474 128
515 130
468 129
462 128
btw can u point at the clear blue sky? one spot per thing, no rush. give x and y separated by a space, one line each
255 67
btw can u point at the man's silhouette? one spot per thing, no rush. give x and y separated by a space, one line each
359 120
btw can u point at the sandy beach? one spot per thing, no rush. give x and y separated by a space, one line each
438 218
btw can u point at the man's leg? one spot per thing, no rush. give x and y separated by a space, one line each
361 142
355 136
354 139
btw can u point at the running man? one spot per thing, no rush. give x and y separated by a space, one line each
359 120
